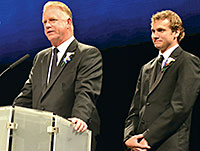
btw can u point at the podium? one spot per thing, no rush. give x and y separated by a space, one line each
24 129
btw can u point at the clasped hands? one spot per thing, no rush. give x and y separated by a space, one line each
80 125
135 144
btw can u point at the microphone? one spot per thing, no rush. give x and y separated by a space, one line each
15 63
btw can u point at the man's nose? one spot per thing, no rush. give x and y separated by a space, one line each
47 24
154 35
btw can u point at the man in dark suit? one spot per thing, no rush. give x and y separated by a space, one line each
65 79
160 114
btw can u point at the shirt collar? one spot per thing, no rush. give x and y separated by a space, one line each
63 47
167 53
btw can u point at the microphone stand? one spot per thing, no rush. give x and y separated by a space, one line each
15 63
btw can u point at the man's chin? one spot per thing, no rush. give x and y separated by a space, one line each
157 46
51 38
55 42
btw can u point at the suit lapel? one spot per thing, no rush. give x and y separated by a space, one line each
45 67
152 73
72 47
174 55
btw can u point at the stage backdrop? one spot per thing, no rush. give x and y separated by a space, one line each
103 23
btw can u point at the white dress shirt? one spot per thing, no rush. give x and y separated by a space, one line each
167 53
62 48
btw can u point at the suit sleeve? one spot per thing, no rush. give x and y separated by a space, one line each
88 84
132 119
184 96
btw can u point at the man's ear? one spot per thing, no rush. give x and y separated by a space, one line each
69 22
176 33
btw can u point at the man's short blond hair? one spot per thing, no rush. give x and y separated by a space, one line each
60 5
174 19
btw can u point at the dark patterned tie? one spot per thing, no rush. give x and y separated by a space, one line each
158 66
54 64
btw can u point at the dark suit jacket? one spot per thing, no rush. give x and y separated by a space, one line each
75 89
163 109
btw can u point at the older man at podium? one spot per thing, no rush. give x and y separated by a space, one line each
66 78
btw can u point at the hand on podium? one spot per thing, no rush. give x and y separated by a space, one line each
80 125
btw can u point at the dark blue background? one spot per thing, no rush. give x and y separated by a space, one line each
103 23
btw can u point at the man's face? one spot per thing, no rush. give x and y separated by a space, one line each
162 35
56 24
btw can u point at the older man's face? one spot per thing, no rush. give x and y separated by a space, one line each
56 25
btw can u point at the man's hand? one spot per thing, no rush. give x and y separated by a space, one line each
80 125
136 145
144 142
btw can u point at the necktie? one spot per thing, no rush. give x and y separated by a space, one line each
54 64
158 66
